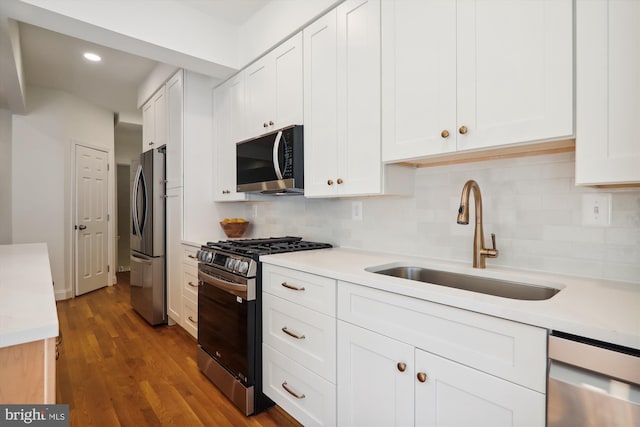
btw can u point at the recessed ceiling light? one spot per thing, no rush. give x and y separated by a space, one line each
92 57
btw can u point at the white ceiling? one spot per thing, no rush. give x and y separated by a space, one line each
54 60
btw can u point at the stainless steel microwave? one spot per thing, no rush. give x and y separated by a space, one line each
272 163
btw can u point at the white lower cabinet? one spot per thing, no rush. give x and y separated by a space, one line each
190 290
306 396
372 391
403 362
338 353
299 344
451 394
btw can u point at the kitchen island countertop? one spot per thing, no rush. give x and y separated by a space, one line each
594 308
27 301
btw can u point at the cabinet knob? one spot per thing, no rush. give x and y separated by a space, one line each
329 182
444 134
265 124
402 366
151 143
422 377
463 130
270 122
340 181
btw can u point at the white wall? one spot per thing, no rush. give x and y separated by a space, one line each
5 177
43 163
128 143
531 204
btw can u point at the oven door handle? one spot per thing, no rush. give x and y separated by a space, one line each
236 289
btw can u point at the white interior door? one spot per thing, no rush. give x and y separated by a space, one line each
91 220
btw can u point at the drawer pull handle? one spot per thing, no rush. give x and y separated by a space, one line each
422 377
195 322
292 334
291 392
192 257
402 366
295 288
192 285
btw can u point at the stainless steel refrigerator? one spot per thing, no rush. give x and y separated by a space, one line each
148 290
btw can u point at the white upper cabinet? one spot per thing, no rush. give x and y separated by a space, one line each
342 101
154 121
608 92
273 89
228 116
469 74
174 129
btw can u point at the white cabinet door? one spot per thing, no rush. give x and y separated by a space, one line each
342 101
472 74
148 125
273 89
174 254
608 92
419 78
359 157
154 121
174 110
515 71
320 105
287 81
375 379
455 395
259 95
228 113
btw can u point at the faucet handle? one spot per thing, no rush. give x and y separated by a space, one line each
493 252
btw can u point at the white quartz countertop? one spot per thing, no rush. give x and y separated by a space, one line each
598 309
27 301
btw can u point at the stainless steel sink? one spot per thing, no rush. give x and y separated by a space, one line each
483 285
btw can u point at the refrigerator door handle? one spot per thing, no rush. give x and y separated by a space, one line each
134 202
140 260
145 195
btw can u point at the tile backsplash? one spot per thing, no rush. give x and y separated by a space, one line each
530 203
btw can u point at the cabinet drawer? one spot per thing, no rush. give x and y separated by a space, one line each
315 403
315 292
189 255
510 350
304 335
191 317
190 282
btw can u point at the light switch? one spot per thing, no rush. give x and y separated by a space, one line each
596 209
356 211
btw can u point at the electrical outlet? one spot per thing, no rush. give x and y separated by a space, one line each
356 211
596 209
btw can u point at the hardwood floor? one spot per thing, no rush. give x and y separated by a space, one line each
116 370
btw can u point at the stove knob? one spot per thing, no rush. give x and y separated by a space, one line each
200 255
231 264
243 266
208 257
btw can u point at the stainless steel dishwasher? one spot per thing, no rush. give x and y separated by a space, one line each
592 383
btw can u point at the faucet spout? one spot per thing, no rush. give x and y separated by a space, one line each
480 253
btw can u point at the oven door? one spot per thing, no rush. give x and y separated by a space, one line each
226 319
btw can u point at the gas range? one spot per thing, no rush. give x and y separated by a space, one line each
241 256
230 315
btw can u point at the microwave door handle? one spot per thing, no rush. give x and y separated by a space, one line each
276 148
